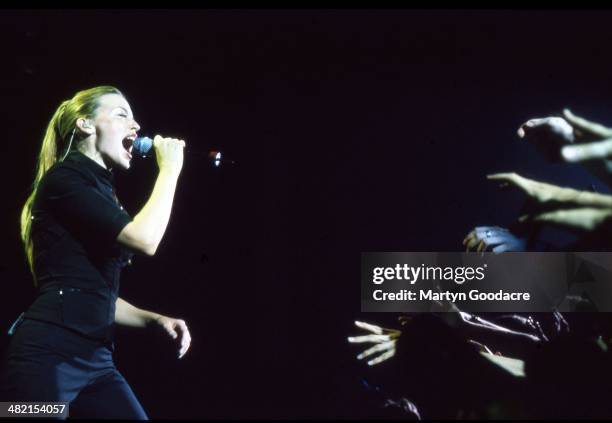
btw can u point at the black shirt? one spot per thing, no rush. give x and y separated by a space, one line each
77 260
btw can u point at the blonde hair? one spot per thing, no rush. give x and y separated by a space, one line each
56 143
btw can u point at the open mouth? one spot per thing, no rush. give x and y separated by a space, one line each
128 143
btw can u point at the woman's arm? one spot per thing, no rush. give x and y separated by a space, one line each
128 315
145 232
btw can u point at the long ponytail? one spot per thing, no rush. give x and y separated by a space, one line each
55 144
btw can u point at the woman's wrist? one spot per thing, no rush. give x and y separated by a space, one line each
169 171
152 318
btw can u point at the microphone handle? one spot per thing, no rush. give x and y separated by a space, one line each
143 148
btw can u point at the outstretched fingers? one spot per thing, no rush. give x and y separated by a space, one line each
376 348
590 151
513 179
592 128
508 177
369 327
368 338
385 356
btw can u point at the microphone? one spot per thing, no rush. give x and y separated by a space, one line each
142 147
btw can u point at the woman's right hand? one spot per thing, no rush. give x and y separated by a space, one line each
169 153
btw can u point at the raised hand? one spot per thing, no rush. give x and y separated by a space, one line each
384 341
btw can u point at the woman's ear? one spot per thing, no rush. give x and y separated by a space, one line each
85 126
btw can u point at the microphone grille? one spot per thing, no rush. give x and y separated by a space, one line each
142 145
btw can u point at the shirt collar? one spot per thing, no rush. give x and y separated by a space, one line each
92 165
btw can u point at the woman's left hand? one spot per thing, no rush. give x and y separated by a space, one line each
174 327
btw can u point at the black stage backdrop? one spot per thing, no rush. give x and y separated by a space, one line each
352 131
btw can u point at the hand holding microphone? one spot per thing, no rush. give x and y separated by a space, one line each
169 153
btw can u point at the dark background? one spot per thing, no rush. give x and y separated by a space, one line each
352 131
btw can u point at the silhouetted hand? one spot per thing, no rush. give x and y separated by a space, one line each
493 238
384 339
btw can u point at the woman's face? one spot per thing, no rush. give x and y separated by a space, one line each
115 130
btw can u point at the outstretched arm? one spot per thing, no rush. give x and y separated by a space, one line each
542 192
587 219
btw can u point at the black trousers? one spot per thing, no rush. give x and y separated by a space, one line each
46 362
